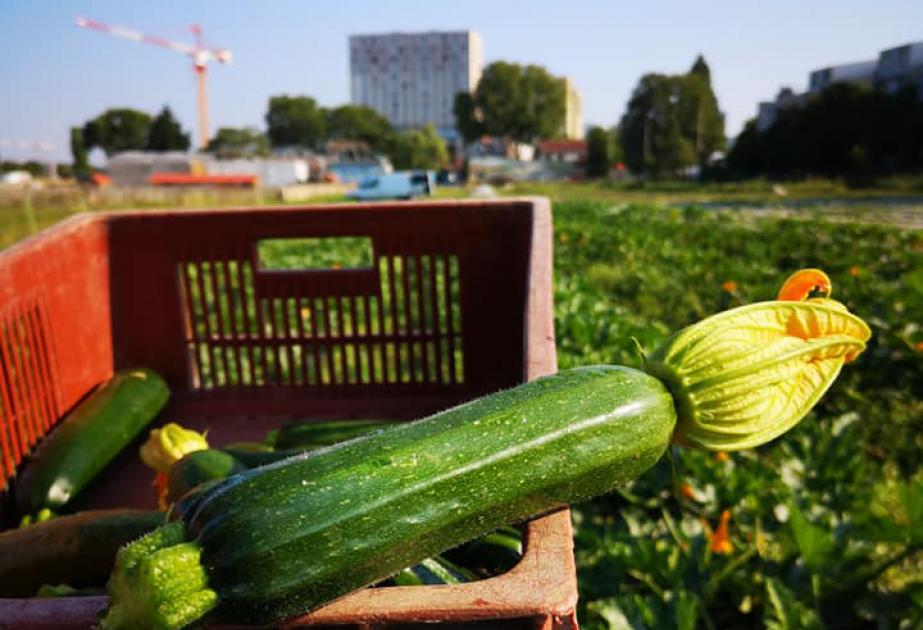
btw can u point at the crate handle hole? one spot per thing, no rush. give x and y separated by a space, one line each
323 253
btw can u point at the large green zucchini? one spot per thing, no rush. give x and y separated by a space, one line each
286 538
88 438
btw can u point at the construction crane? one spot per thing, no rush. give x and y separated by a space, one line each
199 53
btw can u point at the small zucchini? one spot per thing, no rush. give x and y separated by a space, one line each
489 555
305 435
198 467
88 438
77 549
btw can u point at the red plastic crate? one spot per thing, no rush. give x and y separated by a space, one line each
456 303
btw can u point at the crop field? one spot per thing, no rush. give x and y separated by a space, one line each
822 528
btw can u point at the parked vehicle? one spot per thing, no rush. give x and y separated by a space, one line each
402 185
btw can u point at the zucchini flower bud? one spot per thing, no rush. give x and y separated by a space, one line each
745 376
168 444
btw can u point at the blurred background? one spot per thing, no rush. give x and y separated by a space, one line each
695 153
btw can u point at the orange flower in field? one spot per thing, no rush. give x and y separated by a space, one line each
686 491
729 286
722 457
919 346
854 271
719 541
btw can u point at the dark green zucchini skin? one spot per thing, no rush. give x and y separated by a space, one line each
88 438
324 433
286 538
78 549
198 467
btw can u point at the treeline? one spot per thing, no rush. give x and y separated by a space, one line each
846 130
295 123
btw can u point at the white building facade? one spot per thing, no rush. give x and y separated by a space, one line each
412 78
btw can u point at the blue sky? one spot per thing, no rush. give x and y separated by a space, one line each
54 75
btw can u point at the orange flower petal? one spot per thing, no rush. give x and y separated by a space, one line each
801 283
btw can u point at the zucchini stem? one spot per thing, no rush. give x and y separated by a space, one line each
158 583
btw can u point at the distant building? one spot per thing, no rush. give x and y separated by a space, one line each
769 110
564 150
901 67
895 69
858 72
412 78
573 113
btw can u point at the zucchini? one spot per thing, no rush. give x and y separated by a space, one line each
489 555
306 435
77 549
284 539
254 458
88 438
432 571
198 467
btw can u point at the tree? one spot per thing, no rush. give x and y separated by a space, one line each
245 142
598 141
166 134
847 129
650 132
700 68
468 119
524 103
357 122
419 149
295 121
79 152
118 130
672 122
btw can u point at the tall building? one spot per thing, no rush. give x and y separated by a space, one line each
412 78
573 113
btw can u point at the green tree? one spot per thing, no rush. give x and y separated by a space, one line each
525 103
650 132
468 119
166 134
845 130
81 166
701 120
118 130
599 147
419 149
357 122
700 68
672 122
295 121
232 142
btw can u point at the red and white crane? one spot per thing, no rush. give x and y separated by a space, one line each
201 55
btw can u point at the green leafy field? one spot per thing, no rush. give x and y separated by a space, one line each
826 524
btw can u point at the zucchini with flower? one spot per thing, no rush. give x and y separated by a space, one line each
281 540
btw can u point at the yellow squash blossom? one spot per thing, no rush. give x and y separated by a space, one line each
168 444
745 376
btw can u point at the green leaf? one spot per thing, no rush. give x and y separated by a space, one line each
814 542
784 612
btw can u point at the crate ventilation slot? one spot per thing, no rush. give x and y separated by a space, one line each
407 333
29 396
